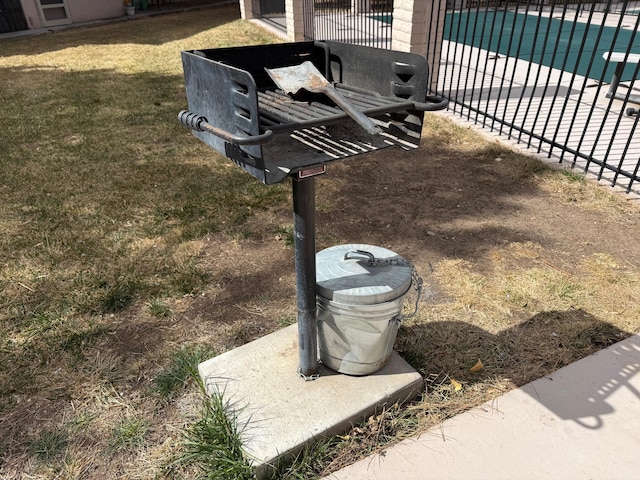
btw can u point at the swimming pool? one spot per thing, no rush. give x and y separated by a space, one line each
533 31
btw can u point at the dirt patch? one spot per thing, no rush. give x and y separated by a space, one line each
462 202
459 198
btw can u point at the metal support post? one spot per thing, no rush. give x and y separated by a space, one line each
304 210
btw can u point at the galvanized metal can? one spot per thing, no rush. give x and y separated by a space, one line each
360 292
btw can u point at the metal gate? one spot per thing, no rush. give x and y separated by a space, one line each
540 72
271 7
271 11
360 22
11 16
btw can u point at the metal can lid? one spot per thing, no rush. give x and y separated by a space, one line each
360 274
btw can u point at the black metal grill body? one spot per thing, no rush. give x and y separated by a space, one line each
236 108
273 135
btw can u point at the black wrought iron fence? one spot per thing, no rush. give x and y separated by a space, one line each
271 7
12 17
322 5
372 5
383 6
557 78
361 22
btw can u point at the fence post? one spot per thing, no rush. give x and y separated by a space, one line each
417 28
294 12
246 9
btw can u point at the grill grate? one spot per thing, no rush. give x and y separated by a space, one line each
281 113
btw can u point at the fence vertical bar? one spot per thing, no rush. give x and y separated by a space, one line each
593 54
495 65
551 24
529 68
504 70
454 24
473 36
517 56
565 102
480 48
309 15
634 176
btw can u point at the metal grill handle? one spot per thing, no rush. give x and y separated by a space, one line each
432 104
200 123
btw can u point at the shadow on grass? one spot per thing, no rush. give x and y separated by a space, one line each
528 351
104 202
435 202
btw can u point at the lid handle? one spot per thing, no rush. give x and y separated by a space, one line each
372 259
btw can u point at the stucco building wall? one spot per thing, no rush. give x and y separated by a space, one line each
78 11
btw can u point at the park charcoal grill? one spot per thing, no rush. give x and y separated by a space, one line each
236 107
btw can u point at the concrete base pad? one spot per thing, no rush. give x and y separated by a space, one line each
283 412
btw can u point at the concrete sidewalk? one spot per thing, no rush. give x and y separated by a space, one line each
581 422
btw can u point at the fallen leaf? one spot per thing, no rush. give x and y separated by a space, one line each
457 386
477 367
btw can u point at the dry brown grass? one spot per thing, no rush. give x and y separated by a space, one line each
107 209
546 278
129 249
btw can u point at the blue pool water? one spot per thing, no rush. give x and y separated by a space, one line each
560 41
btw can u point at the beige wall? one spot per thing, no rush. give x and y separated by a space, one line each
88 10
31 13
79 11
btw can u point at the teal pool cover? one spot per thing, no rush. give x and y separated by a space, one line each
558 32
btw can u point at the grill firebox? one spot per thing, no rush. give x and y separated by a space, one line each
236 108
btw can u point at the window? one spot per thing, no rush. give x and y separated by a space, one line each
54 12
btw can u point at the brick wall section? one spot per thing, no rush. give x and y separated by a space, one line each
295 20
410 24
246 10
415 25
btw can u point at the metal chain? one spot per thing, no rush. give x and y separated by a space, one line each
416 282
416 279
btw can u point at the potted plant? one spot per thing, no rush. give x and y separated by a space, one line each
129 7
